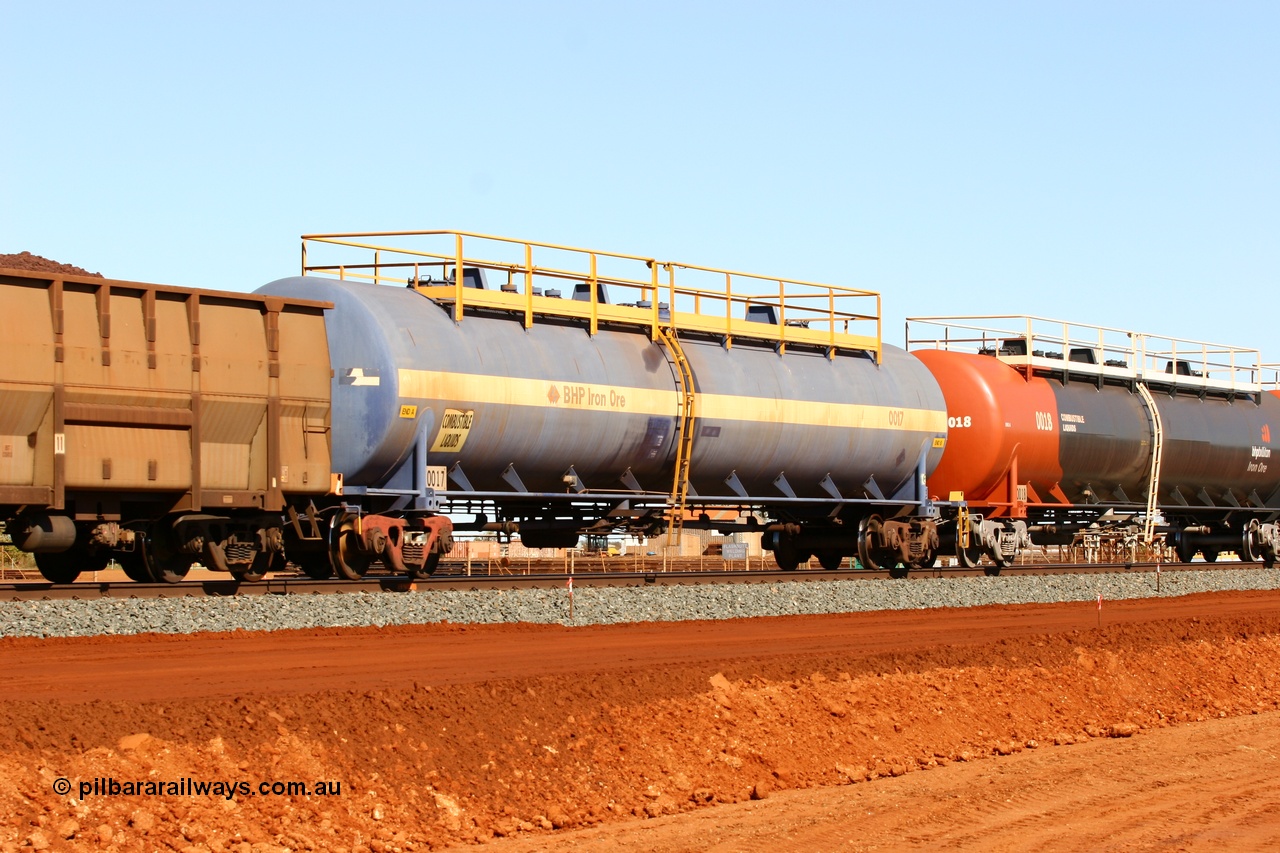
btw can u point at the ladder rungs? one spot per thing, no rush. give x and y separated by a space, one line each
1157 458
684 428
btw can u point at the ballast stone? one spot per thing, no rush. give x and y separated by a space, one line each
595 606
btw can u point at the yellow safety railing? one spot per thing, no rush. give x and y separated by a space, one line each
642 291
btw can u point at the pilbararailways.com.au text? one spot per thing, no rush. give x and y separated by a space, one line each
226 788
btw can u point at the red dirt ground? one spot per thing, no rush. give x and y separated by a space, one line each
1038 729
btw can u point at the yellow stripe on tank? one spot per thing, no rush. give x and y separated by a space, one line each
464 388
545 393
813 413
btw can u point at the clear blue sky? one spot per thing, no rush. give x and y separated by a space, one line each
1106 162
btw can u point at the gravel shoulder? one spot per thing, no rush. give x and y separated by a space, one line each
603 606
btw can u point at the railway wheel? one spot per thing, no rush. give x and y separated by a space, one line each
428 567
57 568
316 566
66 566
350 561
1210 554
830 560
786 555
164 561
968 557
868 554
135 567
1247 552
1256 548
927 562
171 569
1185 550
874 557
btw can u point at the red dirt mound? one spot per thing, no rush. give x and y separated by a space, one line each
34 263
429 757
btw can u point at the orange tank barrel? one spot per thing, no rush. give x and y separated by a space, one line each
1000 431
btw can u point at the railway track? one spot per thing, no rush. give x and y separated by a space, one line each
454 580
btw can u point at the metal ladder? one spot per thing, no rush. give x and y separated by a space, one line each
1157 454
684 432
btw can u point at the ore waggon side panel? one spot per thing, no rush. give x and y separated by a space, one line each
123 402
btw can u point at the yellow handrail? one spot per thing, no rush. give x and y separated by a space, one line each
803 312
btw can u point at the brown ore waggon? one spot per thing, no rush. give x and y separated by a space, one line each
204 413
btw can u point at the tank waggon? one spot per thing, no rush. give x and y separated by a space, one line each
156 426
555 402
1058 429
